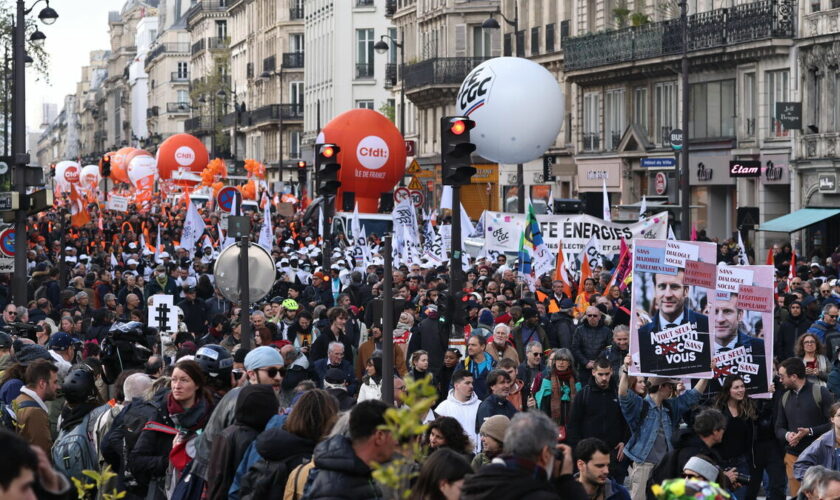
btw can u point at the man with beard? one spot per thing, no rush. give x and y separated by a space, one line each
499 347
528 331
591 337
616 352
41 379
373 344
593 460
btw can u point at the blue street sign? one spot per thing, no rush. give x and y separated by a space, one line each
659 162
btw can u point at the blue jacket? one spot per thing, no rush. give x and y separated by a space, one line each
821 329
320 368
644 433
820 452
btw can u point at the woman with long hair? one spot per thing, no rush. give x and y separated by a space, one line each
161 452
812 352
285 447
446 432
441 476
418 367
736 449
557 386
371 387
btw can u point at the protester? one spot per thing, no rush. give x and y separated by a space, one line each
462 404
441 476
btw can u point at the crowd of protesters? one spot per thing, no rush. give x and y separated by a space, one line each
535 401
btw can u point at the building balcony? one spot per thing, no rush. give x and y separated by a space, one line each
151 112
198 124
293 60
178 107
437 80
179 77
163 48
296 13
713 29
813 146
364 71
201 6
198 47
218 43
276 113
270 64
390 7
822 23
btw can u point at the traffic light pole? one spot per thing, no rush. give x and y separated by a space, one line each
328 208
388 325
246 338
456 281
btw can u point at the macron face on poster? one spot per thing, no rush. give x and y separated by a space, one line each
743 327
673 290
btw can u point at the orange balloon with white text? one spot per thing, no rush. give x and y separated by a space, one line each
119 164
181 158
371 154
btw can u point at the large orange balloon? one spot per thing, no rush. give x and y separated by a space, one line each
119 164
185 153
372 155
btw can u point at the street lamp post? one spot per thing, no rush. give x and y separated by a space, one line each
381 47
21 158
491 24
685 189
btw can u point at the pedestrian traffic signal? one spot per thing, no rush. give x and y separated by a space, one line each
458 310
105 166
326 169
301 172
456 165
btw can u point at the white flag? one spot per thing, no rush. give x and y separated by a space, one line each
643 207
743 260
157 247
592 249
467 227
144 249
321 222
446 198
361 250
114 262
266 233
404 216
549 209
226 242
607 211
478 231
193 228
432 244
671 235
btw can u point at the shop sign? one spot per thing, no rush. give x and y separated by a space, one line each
828 183
744 168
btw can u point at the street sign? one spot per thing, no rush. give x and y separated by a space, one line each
4 167
414 168
410 148
401 194
415 184
677 139
239 226
228 198
659 162
661 183
9 201
417 197
7 241
790 114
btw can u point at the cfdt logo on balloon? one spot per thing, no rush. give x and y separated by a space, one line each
185 156
372 153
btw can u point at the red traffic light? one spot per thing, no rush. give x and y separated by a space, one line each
107 158
328 151
458 127
301 164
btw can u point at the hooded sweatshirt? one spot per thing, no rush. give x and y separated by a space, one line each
464 413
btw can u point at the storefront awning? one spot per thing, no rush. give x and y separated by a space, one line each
795 221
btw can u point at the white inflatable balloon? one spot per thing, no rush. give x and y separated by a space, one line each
90 176
517 106
142 172
67 173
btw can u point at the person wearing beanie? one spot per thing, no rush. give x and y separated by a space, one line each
485 319
335 383
254 408
403 332
492 435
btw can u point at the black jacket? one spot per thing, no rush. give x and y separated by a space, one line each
789 331
321 345
493 405
597 413
432 338
588 342
339 473
281 452
497 481
195 316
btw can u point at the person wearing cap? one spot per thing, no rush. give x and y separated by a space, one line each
527 331
826 325
63 352
195 312
335 383
650 437
789 330
492 436
318 292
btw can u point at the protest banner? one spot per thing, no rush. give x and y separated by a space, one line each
502 232
669 323
743 327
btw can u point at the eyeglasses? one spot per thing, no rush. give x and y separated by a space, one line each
689 475
272 372
832 316
237 374
593 315
809 341
537 354
13 313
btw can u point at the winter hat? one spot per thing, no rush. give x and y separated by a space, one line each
335 376
495 427
263 356
30 352
708 470
255 405
486 317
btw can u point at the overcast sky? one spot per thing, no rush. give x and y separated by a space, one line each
82 26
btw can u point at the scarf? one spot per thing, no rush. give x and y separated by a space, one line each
558 380
190 419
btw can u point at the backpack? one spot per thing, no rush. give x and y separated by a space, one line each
41 292
8 418
816 392
73 450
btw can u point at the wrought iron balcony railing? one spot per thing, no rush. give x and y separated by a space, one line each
591 141
390 75
295 13
440 71
749 22
276 112
178 107
293 60
218 42
364 70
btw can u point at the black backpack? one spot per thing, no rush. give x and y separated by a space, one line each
134 417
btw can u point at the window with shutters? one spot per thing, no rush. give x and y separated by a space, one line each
460 40
591 122
535 40
614 117
664 112
749 104
481 42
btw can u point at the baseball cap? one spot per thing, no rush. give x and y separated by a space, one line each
318 274
60 341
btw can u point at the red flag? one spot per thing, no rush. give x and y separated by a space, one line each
560 273
770 260
792 270
622 270
79 215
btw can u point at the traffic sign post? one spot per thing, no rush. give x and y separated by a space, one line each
417 197
677 139
401 194
228 199
415 184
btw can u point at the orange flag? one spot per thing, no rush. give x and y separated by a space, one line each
769 260
560 273
79 215
585 272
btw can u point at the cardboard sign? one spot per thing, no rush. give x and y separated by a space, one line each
117 203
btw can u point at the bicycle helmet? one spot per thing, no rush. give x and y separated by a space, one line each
290 305
79 386
215 361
